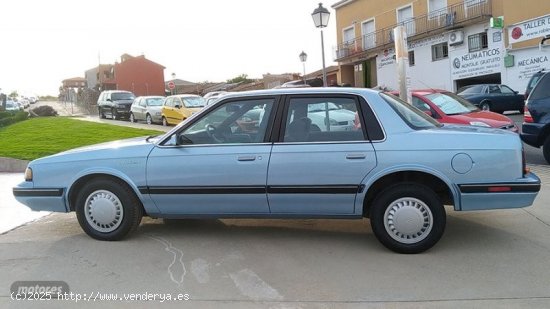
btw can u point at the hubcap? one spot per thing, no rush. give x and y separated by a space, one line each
149 121
103 211
408 220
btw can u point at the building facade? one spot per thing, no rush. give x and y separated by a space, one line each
451 43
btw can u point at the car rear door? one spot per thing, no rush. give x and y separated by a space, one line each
317 167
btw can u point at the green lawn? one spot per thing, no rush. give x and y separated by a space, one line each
38 137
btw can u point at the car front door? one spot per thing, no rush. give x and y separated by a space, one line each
321 157
213 166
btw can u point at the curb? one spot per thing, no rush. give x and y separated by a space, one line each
9 165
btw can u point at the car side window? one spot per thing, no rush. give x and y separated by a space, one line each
168 102
322 119
421 105
494 89
142 102
243 121
506 90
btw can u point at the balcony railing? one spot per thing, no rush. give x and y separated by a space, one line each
447 18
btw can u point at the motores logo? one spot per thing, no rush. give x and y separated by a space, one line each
456 63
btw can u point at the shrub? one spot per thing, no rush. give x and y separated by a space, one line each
7 118
43 111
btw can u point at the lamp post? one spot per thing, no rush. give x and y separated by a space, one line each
320 18
173 80
303 58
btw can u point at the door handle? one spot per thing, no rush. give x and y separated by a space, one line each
356 156
246 158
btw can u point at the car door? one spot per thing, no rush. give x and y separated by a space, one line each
318 163
142 108
511 99
211 166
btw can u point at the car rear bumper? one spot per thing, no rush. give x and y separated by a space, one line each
499 195
530 134
41 199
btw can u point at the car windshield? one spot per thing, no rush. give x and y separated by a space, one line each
414 117
451 104
155 101
321 107
193 101
471 89
122 96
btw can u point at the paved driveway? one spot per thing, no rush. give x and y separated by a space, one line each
486 259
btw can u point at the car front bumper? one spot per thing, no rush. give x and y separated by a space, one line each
518 194
41 199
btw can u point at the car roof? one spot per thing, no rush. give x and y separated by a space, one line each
424 91
311 90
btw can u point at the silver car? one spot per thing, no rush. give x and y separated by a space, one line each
147 108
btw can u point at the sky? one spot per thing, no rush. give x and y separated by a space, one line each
45 42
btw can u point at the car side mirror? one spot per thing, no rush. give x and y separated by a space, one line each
184 140
429 113
516 92
109 100
177 106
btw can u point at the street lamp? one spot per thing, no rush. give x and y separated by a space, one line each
174 81
303 58
320 18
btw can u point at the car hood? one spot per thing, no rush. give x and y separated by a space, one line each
128 148
493 119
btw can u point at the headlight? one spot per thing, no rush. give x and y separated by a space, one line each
479 124
28 174
332 122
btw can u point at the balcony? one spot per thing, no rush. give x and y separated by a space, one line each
455 16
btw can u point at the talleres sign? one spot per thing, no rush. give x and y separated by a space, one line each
530 29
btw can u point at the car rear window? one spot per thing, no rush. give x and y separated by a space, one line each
542 88
414 117
472 89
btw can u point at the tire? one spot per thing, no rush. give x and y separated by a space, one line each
546 149
119 214
408 218
164 121
149 119
101 114
485 106
114 114
132 118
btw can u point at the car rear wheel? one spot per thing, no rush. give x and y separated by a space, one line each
546 149
132 118
408 218
148 119
164 121
108 209
485 106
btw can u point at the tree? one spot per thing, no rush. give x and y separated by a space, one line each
243 78
14 94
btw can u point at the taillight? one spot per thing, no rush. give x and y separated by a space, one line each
527 115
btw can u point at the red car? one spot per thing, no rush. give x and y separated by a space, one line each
447 107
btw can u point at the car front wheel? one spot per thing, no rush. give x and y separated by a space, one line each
148 119
101 114
108 209
408 218
114 114
132 118
164 121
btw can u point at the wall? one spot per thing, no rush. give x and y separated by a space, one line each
141 76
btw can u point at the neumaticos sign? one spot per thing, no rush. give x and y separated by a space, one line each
476 64
531 29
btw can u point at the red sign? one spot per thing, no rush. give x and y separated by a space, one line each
171 85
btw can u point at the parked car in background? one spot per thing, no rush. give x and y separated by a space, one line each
535 130
177 108
532 82
12 106
447 107
148 108
398 169
212 97
493 97
115 103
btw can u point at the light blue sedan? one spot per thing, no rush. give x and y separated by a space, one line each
397 166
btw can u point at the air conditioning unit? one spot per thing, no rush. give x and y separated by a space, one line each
456 37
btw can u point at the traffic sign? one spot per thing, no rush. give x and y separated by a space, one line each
171 85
